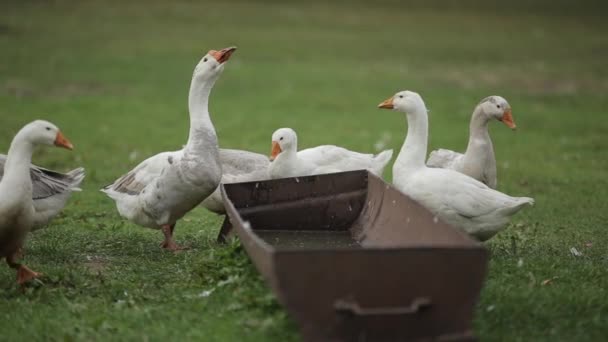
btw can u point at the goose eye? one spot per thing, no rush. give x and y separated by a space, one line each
400 96
281 138
205 59
48 128
497 106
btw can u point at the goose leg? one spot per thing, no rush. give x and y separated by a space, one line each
168 243
24 274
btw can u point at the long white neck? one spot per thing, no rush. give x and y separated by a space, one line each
202 136
17 167
290 154
479 137
413 151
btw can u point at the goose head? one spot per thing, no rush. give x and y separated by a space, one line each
496 107
212 64
406 101
283 139
42 132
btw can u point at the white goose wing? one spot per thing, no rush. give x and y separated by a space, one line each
243 166
336 157
237 166
134 181
444 159
50 190
466 196
47 183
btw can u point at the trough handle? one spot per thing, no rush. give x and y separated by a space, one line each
354 308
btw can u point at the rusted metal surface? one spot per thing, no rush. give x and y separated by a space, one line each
353 259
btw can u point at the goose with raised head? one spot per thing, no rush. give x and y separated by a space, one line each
50 190
163 188
17 212
478 161
287 161
456 198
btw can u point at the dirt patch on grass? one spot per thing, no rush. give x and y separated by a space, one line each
96 264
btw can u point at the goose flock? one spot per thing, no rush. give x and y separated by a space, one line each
458 188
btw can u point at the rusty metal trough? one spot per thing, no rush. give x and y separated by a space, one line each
353 259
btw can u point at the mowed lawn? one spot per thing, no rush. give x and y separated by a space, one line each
114 77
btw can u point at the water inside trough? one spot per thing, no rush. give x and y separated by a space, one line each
308 239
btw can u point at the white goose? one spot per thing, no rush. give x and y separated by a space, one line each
50 190
478 161
163 188
17 213
454 197
237 166
287 161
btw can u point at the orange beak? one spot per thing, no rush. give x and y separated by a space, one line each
62 141
223 55
387 104
507 119
276 149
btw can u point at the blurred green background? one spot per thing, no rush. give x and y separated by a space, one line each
114 75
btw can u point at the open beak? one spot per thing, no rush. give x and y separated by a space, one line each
507 119
276 149
62 141
223 55
387 104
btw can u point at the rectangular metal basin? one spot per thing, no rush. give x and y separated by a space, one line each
353 259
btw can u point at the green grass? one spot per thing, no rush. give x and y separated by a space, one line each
115 78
